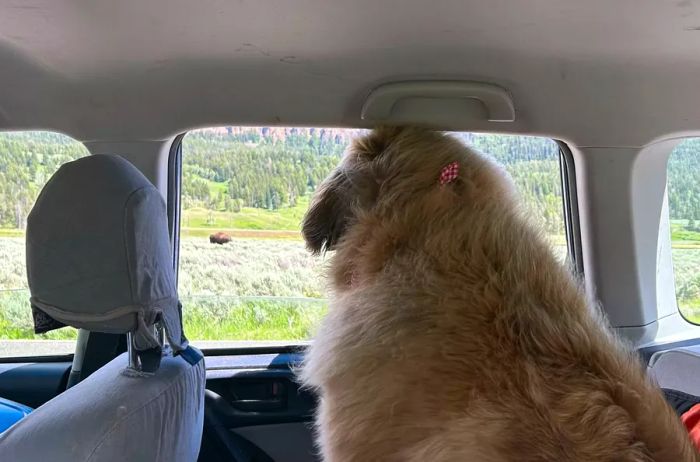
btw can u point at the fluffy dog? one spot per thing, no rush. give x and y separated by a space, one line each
454 334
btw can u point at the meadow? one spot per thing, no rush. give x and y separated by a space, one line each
264 284
261 288
248 289
282 223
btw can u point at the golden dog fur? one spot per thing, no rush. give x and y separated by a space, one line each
454 334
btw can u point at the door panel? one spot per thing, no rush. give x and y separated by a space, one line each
255 410
33 384
291 442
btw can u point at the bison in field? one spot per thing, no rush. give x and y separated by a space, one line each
219 238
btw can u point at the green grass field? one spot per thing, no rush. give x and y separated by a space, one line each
249 289
679 234
201 222
11 233
205 318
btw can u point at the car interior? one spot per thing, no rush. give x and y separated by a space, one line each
231 113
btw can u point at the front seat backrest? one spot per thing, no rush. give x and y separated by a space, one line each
111 416
98 258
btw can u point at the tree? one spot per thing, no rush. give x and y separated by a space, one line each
273 167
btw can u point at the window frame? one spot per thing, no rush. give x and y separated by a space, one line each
174 197
572 222
572 228
174 211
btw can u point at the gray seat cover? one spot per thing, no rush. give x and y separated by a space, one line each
98 253
112 416
677 369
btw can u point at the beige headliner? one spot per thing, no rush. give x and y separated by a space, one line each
594 72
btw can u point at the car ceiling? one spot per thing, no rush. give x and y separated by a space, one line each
594 72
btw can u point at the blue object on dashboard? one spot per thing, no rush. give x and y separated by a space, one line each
11 412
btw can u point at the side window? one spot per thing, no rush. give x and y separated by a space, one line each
27 161
684 214
245 277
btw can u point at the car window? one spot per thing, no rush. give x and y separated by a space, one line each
27 161
245 276
684 214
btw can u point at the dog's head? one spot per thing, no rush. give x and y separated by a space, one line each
395 171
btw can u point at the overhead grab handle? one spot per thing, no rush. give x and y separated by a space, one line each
402 101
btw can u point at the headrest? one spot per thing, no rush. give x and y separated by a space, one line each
98 254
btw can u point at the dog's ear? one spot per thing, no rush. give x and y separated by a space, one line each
329 213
